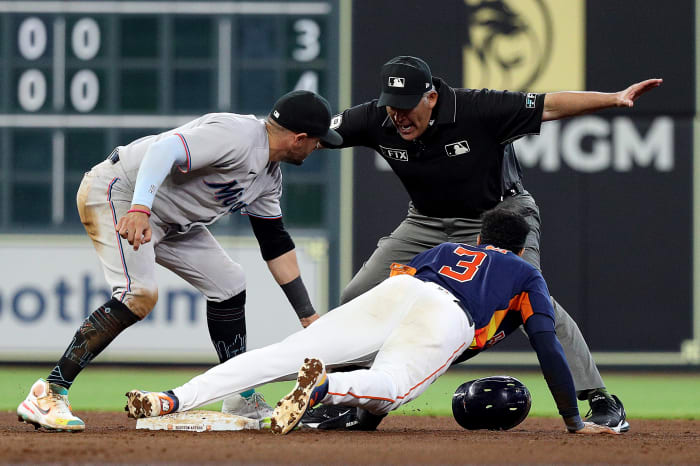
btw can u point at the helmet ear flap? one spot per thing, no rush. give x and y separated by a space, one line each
494 403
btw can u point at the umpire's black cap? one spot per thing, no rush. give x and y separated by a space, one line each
404 81
306 112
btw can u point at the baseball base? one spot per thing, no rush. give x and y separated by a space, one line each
199 421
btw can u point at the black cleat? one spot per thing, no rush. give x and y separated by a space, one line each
607 412
330 417
333 417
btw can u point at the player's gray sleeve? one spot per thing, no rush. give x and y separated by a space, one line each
155 166
267 204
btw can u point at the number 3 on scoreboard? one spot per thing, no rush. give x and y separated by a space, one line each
470 266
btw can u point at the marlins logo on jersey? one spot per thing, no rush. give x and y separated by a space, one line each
228 194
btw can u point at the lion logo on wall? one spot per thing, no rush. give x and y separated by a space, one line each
508 43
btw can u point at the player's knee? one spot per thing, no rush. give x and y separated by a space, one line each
88 216
232 283
142 301
81 197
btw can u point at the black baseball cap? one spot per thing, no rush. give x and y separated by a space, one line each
306 112
404 81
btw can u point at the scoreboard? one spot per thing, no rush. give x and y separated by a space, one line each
81 77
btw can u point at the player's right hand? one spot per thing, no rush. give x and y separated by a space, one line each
135 227
591 429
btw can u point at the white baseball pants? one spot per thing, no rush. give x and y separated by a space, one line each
407 331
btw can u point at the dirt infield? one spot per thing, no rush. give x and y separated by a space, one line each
112 438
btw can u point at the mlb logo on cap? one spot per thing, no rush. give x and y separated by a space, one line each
396 82
404 81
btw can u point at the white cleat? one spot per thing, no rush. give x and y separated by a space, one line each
47 406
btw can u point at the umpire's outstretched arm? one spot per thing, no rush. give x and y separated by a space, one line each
559 105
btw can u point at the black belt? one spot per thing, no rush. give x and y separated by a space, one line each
114 156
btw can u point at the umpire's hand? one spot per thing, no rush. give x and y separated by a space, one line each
135 227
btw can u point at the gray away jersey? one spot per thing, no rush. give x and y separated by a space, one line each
227 169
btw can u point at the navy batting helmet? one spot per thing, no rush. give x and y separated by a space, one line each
494 403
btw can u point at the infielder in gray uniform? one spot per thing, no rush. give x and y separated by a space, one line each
158 194
451 148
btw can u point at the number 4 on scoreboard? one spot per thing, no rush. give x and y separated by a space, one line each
308 81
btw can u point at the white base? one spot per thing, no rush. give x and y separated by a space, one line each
198 421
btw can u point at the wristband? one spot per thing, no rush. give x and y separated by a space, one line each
139 210
298 297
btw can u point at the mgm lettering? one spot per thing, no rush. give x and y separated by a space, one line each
592 144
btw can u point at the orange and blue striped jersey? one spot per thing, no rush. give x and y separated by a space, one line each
499 289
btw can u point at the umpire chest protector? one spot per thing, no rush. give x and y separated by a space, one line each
464 163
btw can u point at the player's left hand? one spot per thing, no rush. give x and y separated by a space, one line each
135 227
306 321
627 97
592 429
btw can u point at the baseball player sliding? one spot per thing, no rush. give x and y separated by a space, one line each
452 150
159 193
409 330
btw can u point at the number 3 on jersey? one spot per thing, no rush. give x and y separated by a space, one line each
470 266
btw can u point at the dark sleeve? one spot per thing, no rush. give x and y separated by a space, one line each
354 125
272 237
509 115
554 368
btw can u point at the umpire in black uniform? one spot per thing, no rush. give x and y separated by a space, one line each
451 148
